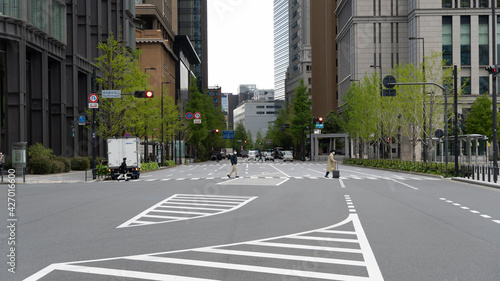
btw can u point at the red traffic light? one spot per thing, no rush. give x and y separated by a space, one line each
320 119
493 69
144 94
216 131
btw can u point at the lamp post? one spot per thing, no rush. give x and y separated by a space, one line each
162 121
381 147
425 118
146 149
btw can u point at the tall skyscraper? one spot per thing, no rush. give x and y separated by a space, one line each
280 47
299 67
193 23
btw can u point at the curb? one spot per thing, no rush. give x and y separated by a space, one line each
483 183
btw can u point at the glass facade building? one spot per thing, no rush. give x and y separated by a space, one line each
192 21
280 47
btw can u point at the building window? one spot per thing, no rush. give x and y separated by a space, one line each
484 84
483 40
260 106
37 14
260 112
465 40
464 3
446 4
447 38
465 81
216 100
270 112
483 3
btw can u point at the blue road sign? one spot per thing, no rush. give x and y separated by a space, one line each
81 119
319 125
228 135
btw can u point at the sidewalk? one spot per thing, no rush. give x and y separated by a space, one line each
69 177
480 181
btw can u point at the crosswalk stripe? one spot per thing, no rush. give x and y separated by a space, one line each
305 247
127 273
280 256
252 268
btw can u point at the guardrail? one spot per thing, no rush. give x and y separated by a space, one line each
479 172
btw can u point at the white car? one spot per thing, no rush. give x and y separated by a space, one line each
287 156
252 155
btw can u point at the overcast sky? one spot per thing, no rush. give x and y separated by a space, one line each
240 44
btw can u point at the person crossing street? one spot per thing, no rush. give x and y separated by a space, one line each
234 162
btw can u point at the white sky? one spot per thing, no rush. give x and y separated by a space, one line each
240 44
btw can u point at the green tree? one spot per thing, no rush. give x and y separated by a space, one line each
333 123
196 133
480 118
301 115
120 71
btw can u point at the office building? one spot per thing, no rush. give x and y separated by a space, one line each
255 115
281 46
215 93
324 76
192 21
299 65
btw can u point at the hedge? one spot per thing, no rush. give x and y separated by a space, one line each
418 167
80 163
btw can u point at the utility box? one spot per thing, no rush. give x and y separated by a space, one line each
119 148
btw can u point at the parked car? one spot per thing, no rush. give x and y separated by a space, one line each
252 155
269 156
287 156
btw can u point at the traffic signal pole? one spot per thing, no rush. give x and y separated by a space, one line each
94 145
494 91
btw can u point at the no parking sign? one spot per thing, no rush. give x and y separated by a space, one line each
93 98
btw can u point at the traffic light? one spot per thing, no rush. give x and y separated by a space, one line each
144 94
388 139
215 131
318 120
493 69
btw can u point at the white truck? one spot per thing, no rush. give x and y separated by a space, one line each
119 148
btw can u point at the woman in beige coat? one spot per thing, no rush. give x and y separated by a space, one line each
330 166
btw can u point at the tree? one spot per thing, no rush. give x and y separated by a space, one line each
333 123
195 133
120 71
301 115
480 118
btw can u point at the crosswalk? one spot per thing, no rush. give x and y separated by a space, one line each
187 206
348 177
338 252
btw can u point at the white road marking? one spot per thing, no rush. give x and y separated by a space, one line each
218 203
329 255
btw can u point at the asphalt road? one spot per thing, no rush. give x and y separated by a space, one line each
277 221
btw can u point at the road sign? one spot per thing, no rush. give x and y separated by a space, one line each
228 135
388 80
319 126
81 119
111 94
197 115
189 115
93 98
197 121
389 92
127 135
93 105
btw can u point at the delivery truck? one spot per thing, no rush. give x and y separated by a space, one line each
119 148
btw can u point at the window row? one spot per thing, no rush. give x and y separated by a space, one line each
465 39
468 3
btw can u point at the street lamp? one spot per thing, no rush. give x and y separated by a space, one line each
425 118
162 121
381 148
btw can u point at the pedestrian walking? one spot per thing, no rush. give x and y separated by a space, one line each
330 165
123 170
234 162
260 157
